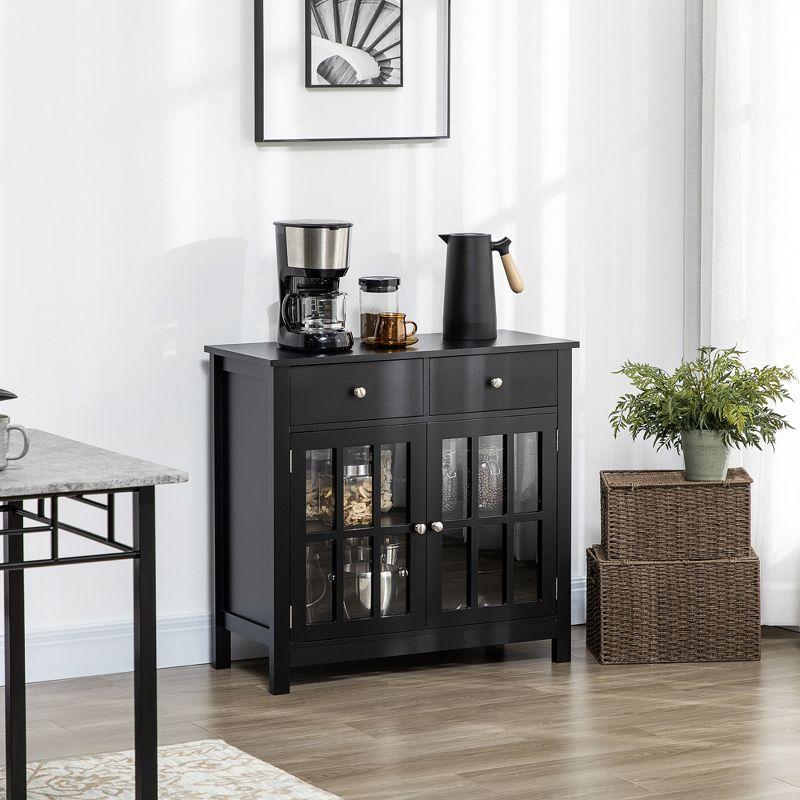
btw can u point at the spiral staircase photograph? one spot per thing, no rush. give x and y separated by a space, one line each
355 43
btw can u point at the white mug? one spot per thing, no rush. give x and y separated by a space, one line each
5 429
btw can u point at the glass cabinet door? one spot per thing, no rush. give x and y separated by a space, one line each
491 500
358 564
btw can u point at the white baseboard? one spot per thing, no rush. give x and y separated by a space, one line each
578 601
104 648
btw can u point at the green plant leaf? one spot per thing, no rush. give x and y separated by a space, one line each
715 392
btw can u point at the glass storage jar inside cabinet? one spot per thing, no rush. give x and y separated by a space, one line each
357 487
491 476
455 479
394 484
320 497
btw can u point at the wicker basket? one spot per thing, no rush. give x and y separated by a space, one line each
660 516
654 612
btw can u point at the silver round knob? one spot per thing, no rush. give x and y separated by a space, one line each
496 383
437 527
360 392
403 573
421 528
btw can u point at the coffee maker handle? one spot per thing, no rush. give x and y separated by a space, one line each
284 303
512 273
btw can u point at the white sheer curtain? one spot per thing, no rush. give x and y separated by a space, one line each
750 266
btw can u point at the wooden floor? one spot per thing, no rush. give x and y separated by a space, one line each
504 723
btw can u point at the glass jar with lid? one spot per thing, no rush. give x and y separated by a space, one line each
357 489
379 295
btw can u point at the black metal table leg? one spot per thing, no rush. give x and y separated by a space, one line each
14 595
144 610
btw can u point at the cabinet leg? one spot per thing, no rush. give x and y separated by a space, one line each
222 648
279 678
562 648
495 652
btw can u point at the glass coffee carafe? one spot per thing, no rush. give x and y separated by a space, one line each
315 311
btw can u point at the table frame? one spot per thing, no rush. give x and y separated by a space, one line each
13 566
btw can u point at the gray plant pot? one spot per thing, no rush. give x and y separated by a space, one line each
705 455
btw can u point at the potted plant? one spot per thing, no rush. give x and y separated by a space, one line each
704 408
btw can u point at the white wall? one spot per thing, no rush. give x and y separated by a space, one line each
136 226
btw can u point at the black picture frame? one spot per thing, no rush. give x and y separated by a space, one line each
310 6
261 110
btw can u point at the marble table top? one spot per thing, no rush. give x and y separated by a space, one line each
55 465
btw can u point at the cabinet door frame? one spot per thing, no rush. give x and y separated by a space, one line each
544 423
415 435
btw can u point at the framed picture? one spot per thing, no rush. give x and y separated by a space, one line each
350 70
358 44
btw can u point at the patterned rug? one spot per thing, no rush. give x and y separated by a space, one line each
192 771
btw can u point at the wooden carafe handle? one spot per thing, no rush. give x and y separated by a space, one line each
512 273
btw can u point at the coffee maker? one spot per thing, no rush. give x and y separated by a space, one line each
313 255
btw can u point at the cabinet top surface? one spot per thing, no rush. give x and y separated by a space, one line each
430 344
55 465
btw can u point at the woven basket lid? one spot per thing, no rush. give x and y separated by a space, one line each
650 478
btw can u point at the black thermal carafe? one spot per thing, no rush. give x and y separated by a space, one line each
470 311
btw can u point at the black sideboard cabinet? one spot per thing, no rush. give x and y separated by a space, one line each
372 504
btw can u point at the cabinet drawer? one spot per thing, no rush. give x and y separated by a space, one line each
461 384
326 393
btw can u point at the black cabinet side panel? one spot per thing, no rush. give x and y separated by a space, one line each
250 494
562 642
